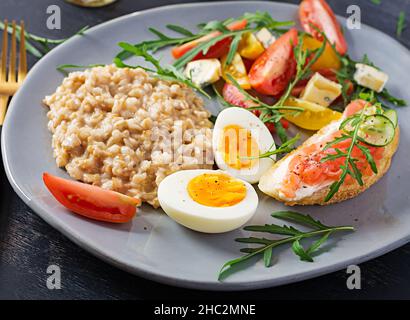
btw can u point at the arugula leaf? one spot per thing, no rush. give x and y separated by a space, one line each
355 171
300 251
44 42
294 237
386 95
63 67
316 245
203 47
180 30
337 140
167 73
233 49
286 147
263 19
303 66
369 157
281 132
275 229
267 257
401 20
254 240
299 218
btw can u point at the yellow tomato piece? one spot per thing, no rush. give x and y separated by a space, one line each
237 70
328 59
314 116
249 47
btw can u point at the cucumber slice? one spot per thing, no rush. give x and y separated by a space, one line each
392 115
377 130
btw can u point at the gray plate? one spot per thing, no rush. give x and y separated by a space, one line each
155 247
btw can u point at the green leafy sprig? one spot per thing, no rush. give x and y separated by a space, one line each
42 41
272 113
401 23
303 66
167 73
346 74
65 67
293 235
284 148
268 113
349 168
258 19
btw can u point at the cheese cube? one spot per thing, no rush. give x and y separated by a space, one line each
370 77
265 37
203 72
321 90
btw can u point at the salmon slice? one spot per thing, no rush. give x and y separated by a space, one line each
302 175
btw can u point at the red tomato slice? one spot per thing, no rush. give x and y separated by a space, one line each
217 50
319 14
232 95
272 71
91 201
248 63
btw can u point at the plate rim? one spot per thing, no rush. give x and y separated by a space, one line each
156 276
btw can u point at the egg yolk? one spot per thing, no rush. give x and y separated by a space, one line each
238 145
216 190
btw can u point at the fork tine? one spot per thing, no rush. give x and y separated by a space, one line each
12 62
4 53
23 57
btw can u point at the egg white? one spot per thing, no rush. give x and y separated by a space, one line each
175 200
247 120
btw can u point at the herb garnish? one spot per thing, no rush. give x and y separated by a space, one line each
258 19
349 167
285 147
167 73
271 113
345 76
303 66
63 67
400 23
268 113
294 236
44 42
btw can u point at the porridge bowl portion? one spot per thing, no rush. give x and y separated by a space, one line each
125 130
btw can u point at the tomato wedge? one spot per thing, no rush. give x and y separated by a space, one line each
91 201
272 71
318 13
232 95
217 50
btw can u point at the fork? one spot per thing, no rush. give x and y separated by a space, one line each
11 80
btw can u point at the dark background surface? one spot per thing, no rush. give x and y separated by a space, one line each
28 245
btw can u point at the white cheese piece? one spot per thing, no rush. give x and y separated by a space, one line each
265 37
204 71
370 77
321 90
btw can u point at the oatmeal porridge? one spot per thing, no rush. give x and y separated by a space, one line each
125 130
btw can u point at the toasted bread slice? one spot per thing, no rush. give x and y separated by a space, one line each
346 191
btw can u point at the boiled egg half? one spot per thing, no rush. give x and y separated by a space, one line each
210 201
239 137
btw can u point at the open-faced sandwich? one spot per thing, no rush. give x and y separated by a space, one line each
318 171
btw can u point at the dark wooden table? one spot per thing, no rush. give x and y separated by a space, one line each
28 245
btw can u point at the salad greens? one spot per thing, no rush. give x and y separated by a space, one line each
293 236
